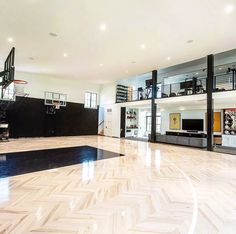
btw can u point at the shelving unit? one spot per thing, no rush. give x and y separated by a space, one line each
230 121
131 122
229 136
121 93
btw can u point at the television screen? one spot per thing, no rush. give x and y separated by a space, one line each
148 83
186 84
192 124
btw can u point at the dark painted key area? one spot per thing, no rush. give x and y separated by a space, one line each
30 161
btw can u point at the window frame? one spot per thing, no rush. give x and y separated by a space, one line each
9 93
90 100
149 125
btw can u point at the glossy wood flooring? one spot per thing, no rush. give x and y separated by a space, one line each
154 188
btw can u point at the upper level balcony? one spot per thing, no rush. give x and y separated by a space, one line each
193 86
191 83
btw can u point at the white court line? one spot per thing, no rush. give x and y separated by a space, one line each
195 200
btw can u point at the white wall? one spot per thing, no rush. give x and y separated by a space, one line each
75 89
186 114
107 101
108 94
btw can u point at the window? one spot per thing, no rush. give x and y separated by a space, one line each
90 100
8 93
149 122
159 90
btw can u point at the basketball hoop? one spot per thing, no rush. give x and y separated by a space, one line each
57 105
19 87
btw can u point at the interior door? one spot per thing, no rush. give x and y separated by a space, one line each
108 123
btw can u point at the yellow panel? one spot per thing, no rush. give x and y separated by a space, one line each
175 121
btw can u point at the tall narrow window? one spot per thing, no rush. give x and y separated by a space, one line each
149 122
8 93
90 100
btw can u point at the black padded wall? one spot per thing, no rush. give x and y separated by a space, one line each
27 118
76 120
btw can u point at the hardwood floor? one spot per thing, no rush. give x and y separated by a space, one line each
155 188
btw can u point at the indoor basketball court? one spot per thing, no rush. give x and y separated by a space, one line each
117 117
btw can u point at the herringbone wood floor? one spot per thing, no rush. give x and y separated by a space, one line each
153 189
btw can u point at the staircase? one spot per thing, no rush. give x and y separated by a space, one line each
101 128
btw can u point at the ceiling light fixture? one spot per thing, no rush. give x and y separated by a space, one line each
53 34
103 27
10 40
168 58
143 46
229 9
101 64
190 41
65 55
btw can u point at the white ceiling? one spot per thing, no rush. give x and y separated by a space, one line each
163 26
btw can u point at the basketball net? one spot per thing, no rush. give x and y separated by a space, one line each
57 105
19 87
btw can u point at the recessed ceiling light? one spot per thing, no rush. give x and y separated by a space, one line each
53 34
101 64
103 27
10 39
229 9
190 41
65 55
168 58
143 46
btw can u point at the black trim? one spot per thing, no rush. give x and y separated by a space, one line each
154 106
122 121
210 102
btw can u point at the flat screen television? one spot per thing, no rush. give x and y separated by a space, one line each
192 124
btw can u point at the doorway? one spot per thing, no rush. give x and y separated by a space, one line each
134 123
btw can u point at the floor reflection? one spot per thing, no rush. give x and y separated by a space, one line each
88 171
25 162
4 189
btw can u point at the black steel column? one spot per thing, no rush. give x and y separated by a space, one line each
210 101
154 106
234 72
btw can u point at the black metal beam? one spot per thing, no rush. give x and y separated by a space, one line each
210 101
154 106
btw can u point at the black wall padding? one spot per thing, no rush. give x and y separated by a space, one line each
27 118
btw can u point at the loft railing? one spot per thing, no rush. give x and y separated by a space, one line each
187 87
191 86
225 82
222 82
